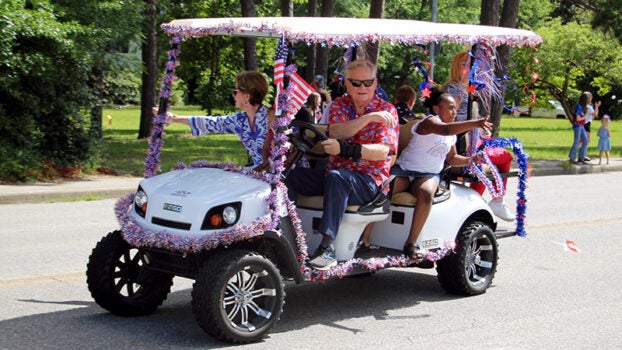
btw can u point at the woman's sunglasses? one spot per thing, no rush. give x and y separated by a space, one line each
235 91
366 82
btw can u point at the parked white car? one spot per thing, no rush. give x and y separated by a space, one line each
556 111
521 111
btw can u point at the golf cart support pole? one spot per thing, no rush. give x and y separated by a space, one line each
152 163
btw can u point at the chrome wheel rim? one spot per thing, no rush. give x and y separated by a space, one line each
250 299
479 260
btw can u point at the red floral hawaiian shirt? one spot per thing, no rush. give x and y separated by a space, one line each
342 109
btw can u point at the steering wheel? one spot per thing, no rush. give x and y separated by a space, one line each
306 138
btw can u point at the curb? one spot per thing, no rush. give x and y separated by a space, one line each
42 197
574 169
90 188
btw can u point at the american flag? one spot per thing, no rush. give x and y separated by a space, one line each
279 64
298 91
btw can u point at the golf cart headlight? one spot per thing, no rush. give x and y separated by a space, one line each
230 215
222 216
140 202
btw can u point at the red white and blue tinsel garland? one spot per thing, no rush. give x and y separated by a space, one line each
488 87
496 188
521 159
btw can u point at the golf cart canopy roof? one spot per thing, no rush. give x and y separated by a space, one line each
344 31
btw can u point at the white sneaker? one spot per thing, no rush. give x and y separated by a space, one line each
325 259
501 210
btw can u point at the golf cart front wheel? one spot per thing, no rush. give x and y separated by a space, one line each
120 281
238 296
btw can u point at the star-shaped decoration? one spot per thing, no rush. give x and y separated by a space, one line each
425 93
471 89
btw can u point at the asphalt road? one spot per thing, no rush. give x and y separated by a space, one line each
543 296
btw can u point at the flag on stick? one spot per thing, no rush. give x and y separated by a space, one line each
571 246
279 71
298 91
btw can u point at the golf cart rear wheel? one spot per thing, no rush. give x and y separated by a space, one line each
119 280
238 296
469 270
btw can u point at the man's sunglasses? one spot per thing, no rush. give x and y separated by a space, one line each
366 82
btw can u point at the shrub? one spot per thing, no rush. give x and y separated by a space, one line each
43 91
122 87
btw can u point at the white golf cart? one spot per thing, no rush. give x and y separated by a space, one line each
237 235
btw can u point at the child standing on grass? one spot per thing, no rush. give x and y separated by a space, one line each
604 145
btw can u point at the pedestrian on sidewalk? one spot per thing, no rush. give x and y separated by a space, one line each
604 144
580 135
591 112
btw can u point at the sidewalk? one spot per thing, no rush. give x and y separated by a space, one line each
93 187
106 186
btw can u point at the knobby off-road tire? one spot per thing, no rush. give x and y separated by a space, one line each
238 296
120 283
472 266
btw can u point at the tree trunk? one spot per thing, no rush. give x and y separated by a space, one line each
97 86
312 49
150 70
376 10
250 44
287 8
509 19
509 14
489 14
322 62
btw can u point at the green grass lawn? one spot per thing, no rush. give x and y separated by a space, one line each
545 138
122 151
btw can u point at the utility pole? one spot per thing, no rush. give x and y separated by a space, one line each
434 6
